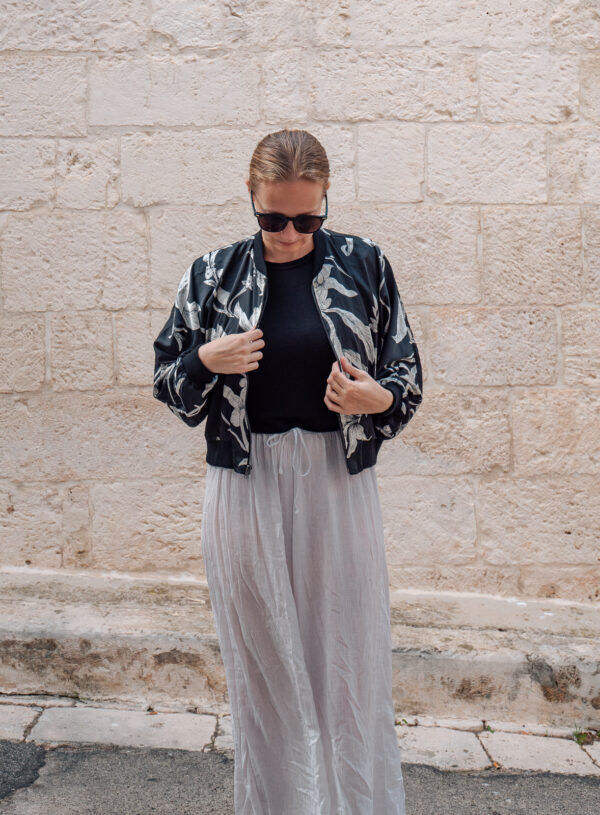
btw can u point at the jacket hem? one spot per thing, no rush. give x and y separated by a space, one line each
219 453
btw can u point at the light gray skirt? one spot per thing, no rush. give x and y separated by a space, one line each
298 581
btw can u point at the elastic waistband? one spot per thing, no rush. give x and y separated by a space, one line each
299 446
299 437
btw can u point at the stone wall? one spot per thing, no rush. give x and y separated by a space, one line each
463 137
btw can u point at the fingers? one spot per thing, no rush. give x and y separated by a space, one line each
252 342
254 336
337 379
334 389
332 405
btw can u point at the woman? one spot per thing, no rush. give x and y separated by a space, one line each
292 533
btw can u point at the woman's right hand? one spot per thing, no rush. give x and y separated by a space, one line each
233 353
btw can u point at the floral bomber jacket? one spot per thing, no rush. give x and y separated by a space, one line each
224 292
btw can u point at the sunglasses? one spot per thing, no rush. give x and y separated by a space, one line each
276 222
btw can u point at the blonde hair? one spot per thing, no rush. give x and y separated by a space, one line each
288 155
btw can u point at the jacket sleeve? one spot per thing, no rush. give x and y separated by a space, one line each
398 361
181 380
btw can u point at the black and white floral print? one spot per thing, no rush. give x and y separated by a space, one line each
224 292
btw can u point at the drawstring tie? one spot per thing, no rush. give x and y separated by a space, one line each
275 438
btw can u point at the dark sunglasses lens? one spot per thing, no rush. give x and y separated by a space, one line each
307 223
272 223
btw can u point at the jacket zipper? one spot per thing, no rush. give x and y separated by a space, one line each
260 314
312 288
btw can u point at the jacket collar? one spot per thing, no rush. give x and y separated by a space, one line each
320 241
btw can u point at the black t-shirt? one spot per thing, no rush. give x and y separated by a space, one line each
287 388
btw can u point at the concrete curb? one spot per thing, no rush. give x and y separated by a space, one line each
144 642
446 744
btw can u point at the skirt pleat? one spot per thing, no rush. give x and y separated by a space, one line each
298 581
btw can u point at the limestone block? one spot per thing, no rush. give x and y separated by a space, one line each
47 266
487 164
498 618
286 92
441 747
43 95
591 253
77 531
532 255
261 24
224 740
390 161
23 357
190 162
556 431
574 23
580 583
81 350
45 525
424 517
333 22
181 89
69 25
546 519
538 753
148 525
493 346
440 576
529 87
118 433
87 173
39 702
468 725
530 729
352 85
31 525
388 24
590 87
125 728
15 719
581 345
573 159
134 352
208 23
27 172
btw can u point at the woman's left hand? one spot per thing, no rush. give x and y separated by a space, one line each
362 394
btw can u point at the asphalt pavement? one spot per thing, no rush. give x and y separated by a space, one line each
84 780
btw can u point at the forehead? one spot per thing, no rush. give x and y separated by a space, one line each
290 198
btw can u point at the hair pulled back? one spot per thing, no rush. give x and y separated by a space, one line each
288 155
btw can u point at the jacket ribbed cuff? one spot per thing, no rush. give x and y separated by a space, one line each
197 371
395 389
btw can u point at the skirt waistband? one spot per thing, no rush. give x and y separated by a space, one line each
299 439
299 447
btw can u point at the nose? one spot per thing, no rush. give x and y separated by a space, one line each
289 231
